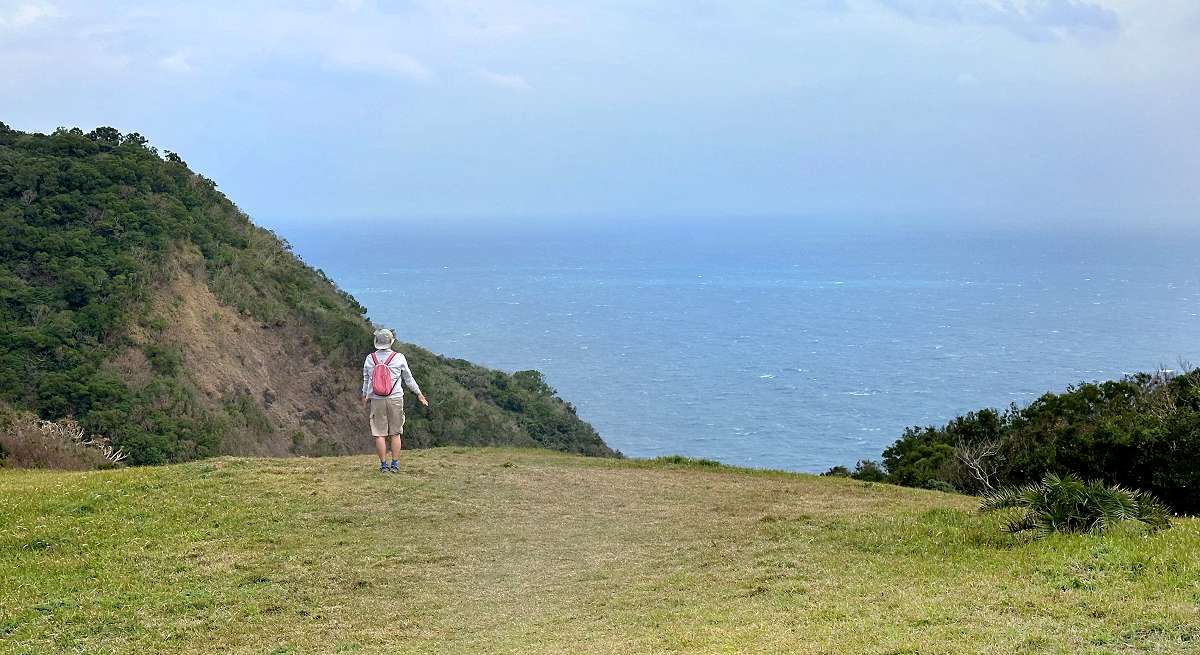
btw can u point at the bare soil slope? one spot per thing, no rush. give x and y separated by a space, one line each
291 399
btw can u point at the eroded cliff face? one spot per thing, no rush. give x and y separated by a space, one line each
279 394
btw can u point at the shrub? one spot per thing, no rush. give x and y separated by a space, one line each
923 455
164 360
28 442
869 470
941 485
681 460
1070 505
1142 431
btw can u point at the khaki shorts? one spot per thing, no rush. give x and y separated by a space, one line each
387 416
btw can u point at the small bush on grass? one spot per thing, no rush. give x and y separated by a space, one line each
1068 504
868 470
681 460
942 486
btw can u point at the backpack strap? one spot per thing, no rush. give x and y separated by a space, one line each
388 363
374 359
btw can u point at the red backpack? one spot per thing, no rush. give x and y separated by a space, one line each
381 376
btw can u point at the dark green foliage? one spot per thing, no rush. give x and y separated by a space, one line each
869 471
86 222
88 225
163 359
940 485
248 414
1068 504
1141 432
866 470
551 424
925 456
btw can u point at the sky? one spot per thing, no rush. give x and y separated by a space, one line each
307 111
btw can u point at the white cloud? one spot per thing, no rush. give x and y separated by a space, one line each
503 21
378 60
175 63
1036 20
504 80
965 100
28 14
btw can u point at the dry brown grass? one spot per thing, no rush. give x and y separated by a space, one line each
29 442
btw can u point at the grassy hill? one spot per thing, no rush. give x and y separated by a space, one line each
529 551
138 299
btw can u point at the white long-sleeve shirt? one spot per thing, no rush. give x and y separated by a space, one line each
399 371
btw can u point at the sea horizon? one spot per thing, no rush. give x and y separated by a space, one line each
777 345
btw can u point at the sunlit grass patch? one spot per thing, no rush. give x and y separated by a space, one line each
518 551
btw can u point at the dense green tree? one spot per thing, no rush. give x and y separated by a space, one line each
1142 431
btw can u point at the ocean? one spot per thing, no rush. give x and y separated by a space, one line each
794 345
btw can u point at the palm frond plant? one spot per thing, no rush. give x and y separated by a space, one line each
1070 505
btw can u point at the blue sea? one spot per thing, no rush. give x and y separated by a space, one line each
783 344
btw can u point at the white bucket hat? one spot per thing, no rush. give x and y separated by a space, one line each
383 339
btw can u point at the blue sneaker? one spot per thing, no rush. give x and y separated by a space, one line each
395 466
383 467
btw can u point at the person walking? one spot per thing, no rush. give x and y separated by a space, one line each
383 371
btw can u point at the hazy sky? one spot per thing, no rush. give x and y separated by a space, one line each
1041 110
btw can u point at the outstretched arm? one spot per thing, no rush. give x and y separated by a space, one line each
411 382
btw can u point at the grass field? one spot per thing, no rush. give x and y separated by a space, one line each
522 551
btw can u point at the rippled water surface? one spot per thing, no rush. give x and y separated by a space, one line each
773 344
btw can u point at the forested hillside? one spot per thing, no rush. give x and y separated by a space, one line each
136 298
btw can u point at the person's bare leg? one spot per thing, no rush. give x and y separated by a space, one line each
395 446
381 448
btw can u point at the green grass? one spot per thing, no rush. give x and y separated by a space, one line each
520 551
